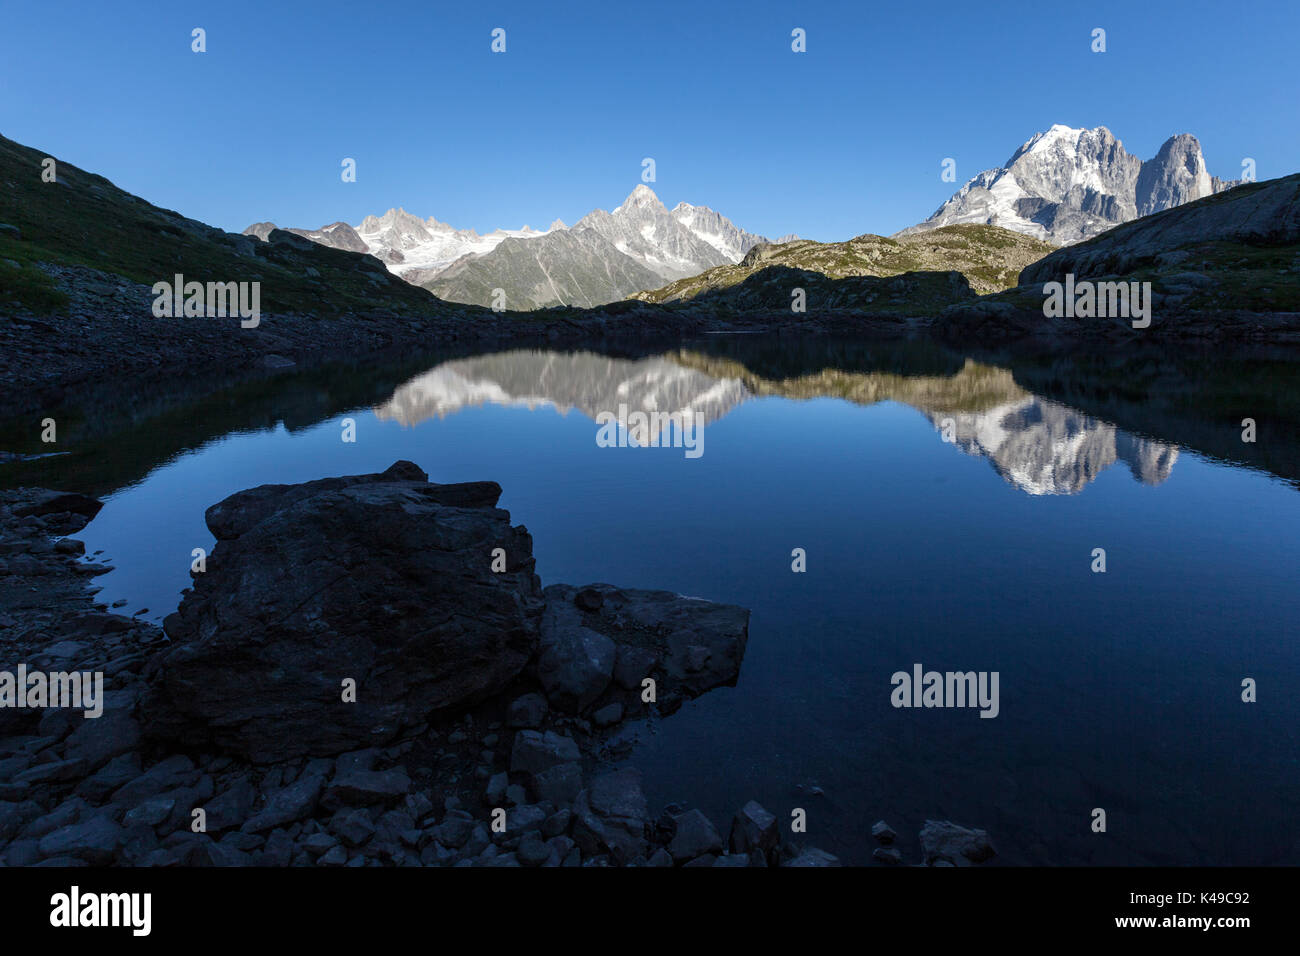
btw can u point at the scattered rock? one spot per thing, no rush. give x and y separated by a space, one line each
608 715
560 784
589 599
496 788
353 827
536 752
533 850
527 711
168 774
694 836
814 857
93 841
883 832
455 829
611 817
754 830
944 841
287 804
368 787
231 807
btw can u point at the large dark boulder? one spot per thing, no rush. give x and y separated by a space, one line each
231 517
383 579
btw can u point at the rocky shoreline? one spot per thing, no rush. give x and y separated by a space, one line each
107 334
481 726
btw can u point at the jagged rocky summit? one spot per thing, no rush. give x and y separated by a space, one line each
1066 185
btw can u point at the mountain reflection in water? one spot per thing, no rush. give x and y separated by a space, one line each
1039 446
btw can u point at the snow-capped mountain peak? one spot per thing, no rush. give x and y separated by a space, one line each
673 245
641 198
1057 133
415 248
1066 184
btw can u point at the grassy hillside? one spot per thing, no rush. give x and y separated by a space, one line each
991 259
83 219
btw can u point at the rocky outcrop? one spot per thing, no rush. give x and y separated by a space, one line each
338 613
1176 175
384 581
600 643
232 516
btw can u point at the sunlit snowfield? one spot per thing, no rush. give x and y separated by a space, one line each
1119 690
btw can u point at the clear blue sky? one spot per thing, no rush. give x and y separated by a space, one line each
844 139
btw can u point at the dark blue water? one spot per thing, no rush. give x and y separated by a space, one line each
1119 691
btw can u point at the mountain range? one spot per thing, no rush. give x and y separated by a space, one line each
411 247
1066 185
602 258
1060 187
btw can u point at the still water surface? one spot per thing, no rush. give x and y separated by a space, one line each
1119 690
